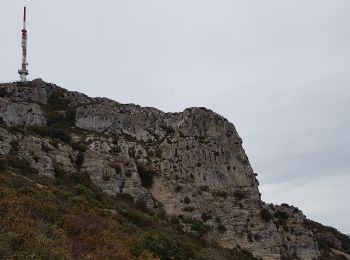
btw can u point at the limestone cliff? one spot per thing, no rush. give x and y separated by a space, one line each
191 164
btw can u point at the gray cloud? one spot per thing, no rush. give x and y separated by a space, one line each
277 69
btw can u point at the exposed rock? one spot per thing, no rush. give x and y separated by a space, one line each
192 164
35 91
21 114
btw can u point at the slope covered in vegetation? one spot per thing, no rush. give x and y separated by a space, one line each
69 218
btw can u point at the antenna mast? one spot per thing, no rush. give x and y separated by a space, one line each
23 72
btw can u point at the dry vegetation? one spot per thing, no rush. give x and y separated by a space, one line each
69 218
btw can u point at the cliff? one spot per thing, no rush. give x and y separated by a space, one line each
191 165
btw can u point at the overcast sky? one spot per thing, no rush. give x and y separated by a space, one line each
277 69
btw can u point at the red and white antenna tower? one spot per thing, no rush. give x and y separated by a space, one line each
23 72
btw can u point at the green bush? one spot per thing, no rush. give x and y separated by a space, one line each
221 193
240 194
125 197
2 122
137 219
72 179
206 216
158 153
80 160
115 150
266 215
51 132
16 165
188 208
178 188
14 147
281 215
165 246
146 175
80 147
56 101
168 130
63 119
187 200
221 228
141 205
199 228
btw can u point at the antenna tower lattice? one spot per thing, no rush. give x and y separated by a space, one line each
23 72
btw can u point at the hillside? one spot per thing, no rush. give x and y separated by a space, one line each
92 178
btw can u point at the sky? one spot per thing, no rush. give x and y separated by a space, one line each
277 69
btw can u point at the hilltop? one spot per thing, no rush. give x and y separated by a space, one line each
94 178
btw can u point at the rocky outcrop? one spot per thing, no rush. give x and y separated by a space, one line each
34 91
21 114
191 164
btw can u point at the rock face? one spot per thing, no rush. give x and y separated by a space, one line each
191 164
23 114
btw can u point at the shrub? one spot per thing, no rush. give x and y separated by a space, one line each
221 228
14 147
187 200
16 165
240 194
165 246
80 160
285 205
63 178
204 188
188 208
57 133
281 215
141 205
132 152
59 172
106 177
241 254
2 122
206 216
178 188
199 228
221 193
146 175
168 130
81 178
282 218
115 150
266 215
56 100
250 236
80 147
158 153
138 219
125 197
61 119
